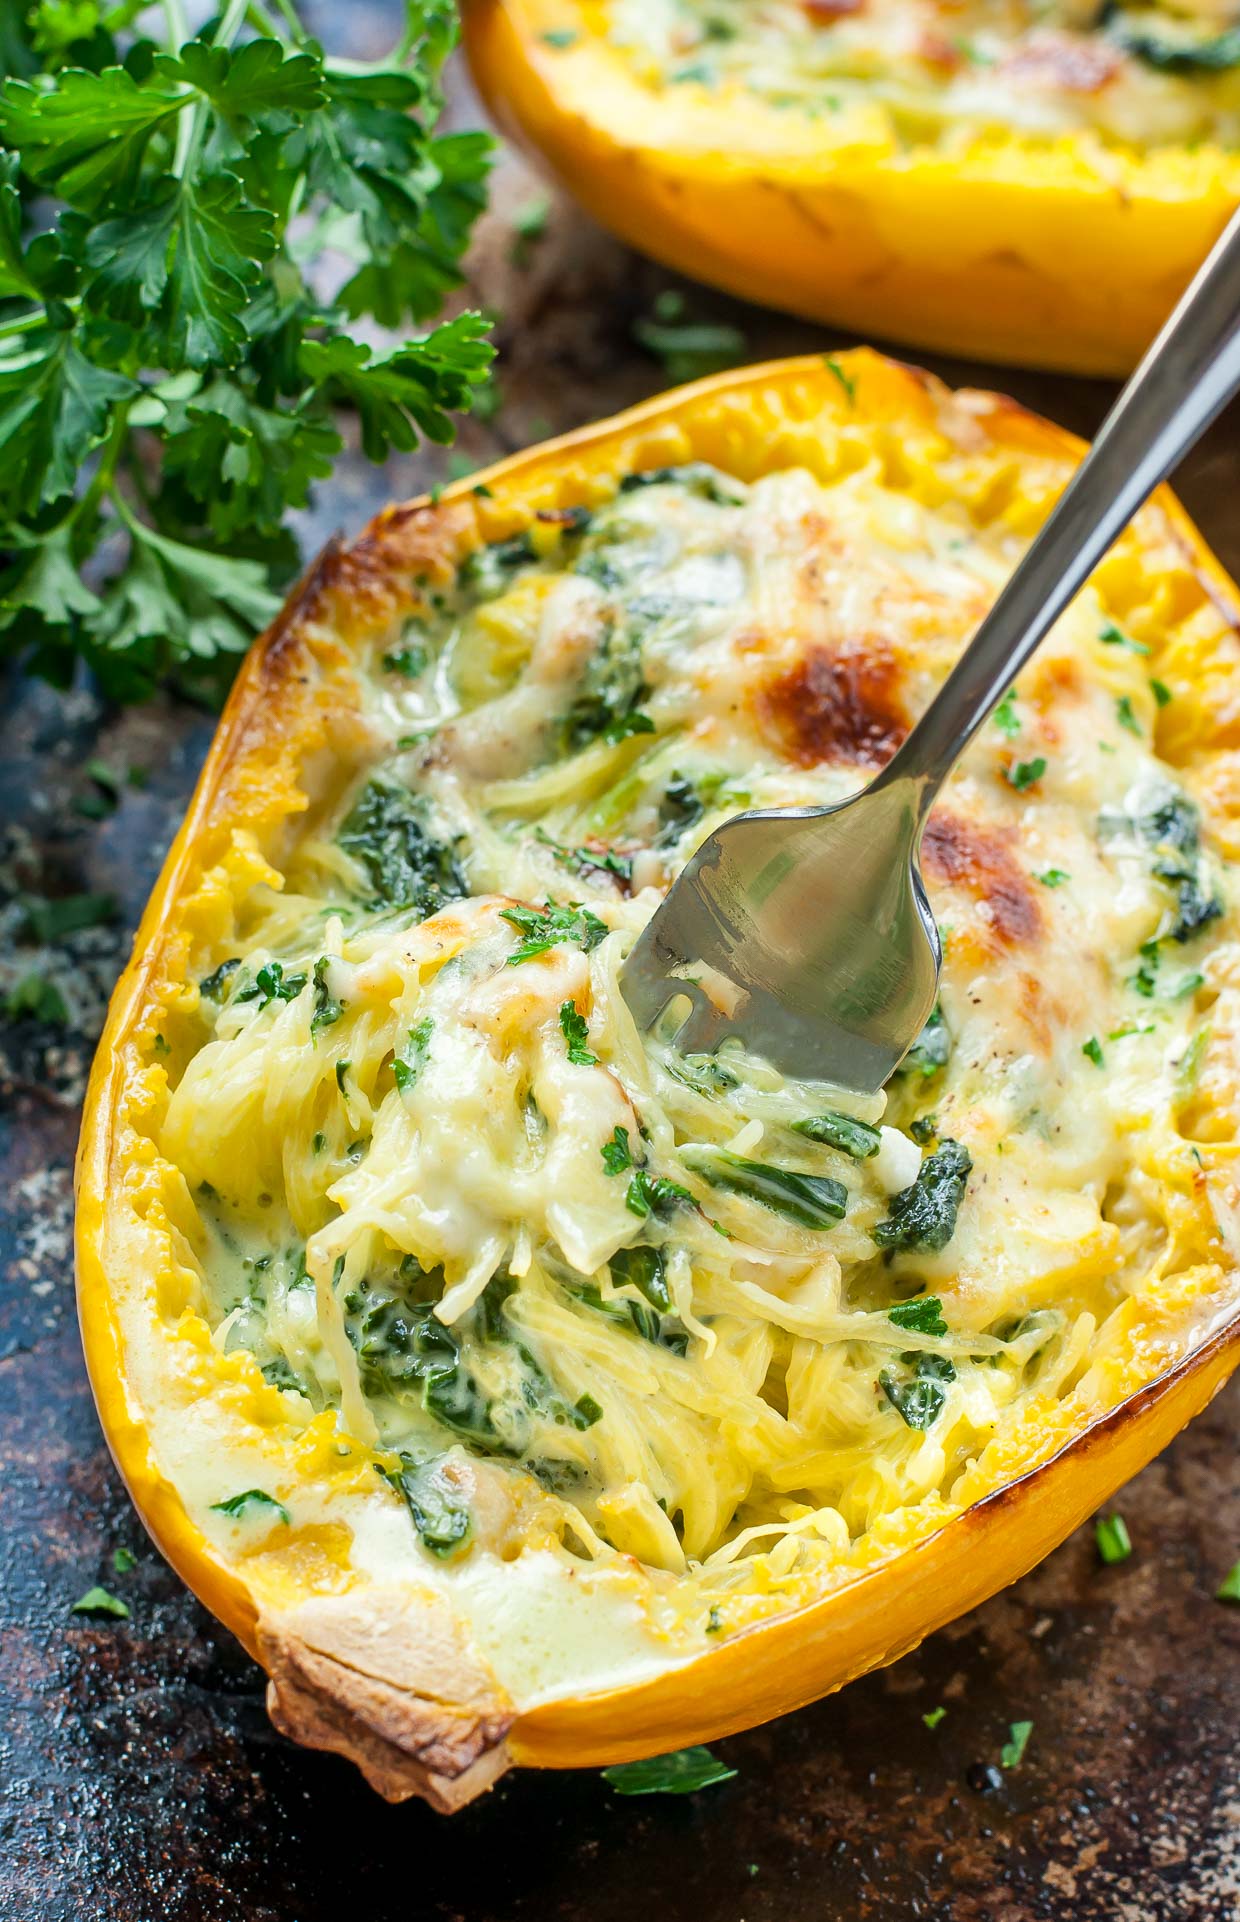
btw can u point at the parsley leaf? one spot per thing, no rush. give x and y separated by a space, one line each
174 348
924 1314
1023 774
576 1032
1114 1541
543 928
97 1601
1013 1752
653 1194
617 1155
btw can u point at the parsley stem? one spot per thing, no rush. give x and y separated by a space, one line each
290 15
178 25
27 323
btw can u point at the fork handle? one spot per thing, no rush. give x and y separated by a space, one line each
1185 380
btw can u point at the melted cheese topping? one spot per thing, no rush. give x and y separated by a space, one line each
678 1324
1141 76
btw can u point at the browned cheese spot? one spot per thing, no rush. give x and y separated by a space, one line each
977 860
837 705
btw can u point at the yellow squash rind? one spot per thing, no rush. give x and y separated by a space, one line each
301 1611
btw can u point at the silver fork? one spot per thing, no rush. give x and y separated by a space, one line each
806 932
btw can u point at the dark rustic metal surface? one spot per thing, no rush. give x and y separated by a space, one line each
139 1777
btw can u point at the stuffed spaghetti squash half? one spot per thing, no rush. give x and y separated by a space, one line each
1017 182
517 1388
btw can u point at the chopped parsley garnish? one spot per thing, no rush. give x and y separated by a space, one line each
236 1507
1114 1541
409 661
51 920
681 1773
654 1194
1005 717
40 999
846 381
923 1315
933 1717
1161 692
923 1216
1013 1751
543 928
97 1601
1092 1050
271 984
1024 773
1229 1588
1054 877
585 860
559 37
576 1032
124 1561
342 1069
326 1007
1126 716
855 1138
812 1201
406 1067
1112 636
617 1155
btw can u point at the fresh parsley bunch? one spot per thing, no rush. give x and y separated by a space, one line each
170 363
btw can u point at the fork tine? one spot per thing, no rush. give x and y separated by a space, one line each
704 1027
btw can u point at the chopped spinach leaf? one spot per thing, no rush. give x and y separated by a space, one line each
924 1129
919 1399
576 1032
212 986
326 1007
654 1194
439 1511
693 477
923 1216
813 1201
681 1773
404 865
642 1268
932 1049
923 1315
238 1506
543 928
855 1138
